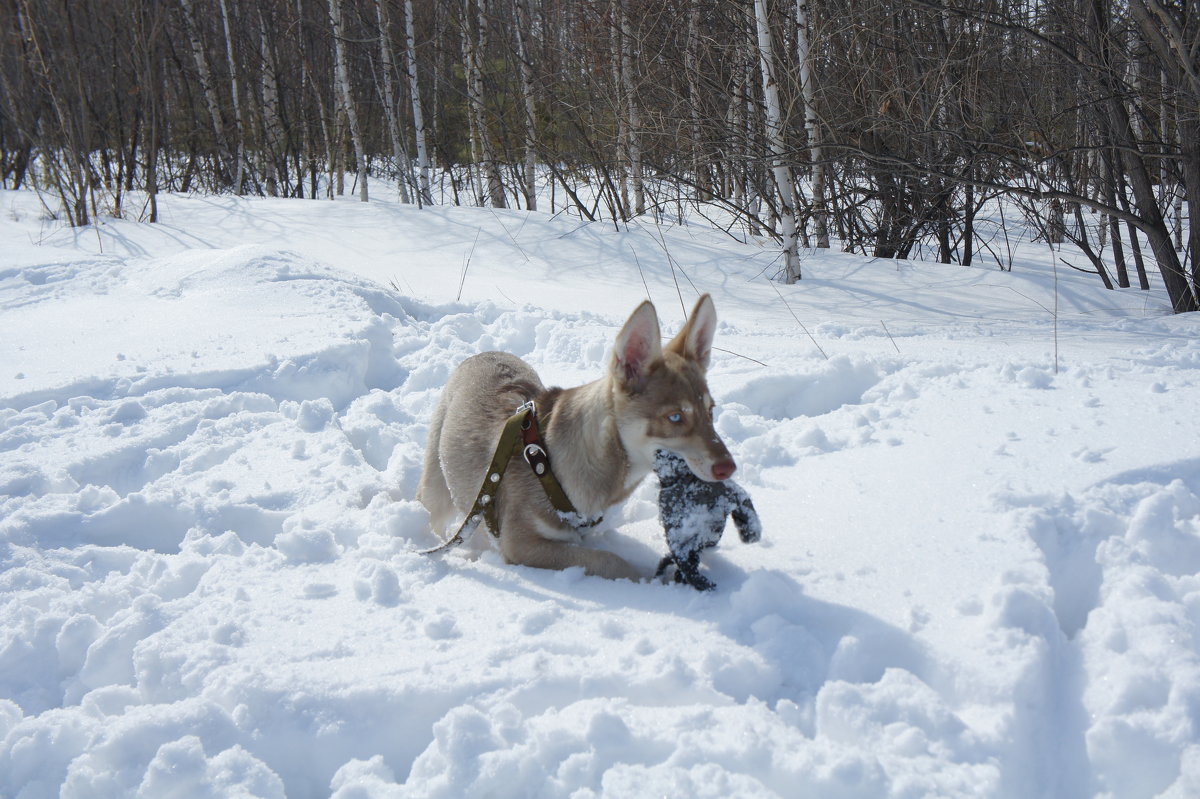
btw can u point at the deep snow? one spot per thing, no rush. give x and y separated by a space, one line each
978 574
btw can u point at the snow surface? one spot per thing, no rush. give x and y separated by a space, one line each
978 575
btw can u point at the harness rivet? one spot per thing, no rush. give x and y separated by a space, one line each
495 478
484 499
540 468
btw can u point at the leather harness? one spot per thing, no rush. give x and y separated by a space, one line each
522 433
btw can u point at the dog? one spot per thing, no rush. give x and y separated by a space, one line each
601 438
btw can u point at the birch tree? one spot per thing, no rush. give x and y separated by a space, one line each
525 69
414 93
475 41
389 101
812 126
342 73
207 87
893 103
784 183
633 129
239 128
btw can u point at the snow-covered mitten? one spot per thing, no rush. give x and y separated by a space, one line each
693 513
745 518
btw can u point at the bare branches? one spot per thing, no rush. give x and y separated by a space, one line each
878 126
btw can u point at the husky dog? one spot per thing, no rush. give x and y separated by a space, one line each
601 438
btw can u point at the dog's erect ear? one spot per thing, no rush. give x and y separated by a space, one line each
695 340
638 343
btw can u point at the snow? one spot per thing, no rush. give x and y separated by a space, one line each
978 573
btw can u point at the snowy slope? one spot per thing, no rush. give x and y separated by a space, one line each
978 575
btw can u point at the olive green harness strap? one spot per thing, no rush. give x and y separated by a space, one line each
521 433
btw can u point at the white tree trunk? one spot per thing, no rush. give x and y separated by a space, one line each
337 153
812 126
342 73
474 50
785 189
237 104
635 124
387 65
206 83
414 93
524 39
474 114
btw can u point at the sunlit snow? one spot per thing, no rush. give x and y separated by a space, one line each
979 489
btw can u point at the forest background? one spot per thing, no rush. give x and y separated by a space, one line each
884 126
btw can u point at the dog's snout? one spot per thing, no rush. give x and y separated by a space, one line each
724 469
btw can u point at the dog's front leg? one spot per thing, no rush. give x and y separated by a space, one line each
527 547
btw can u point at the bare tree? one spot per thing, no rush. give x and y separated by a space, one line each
207 87
893 107
475 45
414 93
524 36
387 67
238 126
812 125
784 182
346 96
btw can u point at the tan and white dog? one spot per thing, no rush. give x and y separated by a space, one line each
601 437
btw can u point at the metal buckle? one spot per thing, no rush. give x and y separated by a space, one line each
537 458
529 412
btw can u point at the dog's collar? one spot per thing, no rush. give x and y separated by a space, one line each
522 433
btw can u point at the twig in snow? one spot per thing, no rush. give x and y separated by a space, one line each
1007 243
396 288
739 355
797 318
573 230
638 261
1055 266
511 237
662 242
889 335
505 296
462 281
1053 313
682 305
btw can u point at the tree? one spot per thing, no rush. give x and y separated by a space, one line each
414 91
812 125
389 101
525 36
346 96
784 183
881 124
475 45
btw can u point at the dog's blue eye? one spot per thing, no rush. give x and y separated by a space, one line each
675 418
